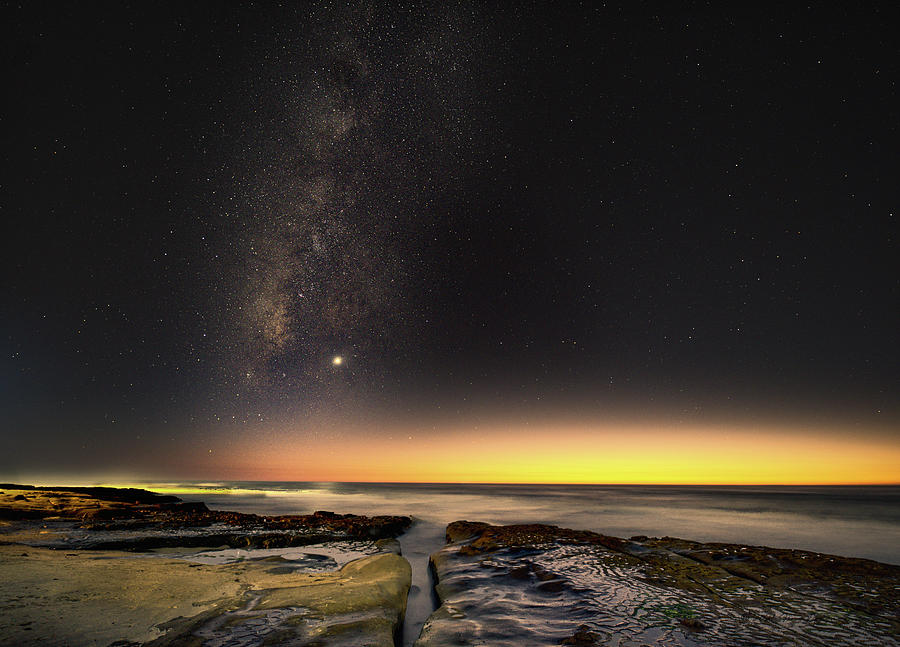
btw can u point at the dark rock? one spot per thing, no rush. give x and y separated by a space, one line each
583 637
185 507
543 574
101 514
20 497
462 530
487 538
863 584
14 514
692 623
743 588
552 586
520 572
135 510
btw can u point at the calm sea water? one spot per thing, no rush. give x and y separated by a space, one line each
855 521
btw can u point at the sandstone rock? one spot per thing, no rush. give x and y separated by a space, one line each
80 600
101 598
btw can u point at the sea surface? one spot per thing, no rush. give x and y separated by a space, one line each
853 521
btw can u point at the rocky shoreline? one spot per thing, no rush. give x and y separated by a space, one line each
543 585
130 509
92 566
127 567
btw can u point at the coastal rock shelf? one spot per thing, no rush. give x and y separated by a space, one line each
125 567
130 519
100 566
542 585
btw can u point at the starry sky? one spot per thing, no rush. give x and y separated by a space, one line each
238 232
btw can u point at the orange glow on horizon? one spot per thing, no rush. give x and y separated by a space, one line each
566 454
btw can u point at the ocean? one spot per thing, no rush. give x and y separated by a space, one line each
852 521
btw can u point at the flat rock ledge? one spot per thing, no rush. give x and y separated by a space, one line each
543 585
133 519
62 583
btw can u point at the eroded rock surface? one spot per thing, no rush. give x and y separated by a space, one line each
132 519
346 585
99 597
541 585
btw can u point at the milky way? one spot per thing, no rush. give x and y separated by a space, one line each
317 273
331 254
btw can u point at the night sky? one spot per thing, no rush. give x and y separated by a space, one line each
672 217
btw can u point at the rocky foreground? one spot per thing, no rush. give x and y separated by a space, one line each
132 519
124 567
93 566
543 585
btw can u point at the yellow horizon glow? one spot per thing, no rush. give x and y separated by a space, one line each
568 454
497 451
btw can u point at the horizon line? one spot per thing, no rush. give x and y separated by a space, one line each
128 482
546 483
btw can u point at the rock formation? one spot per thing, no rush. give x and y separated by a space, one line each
93 593
542 585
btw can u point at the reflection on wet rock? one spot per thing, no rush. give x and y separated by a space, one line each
137 568
541 585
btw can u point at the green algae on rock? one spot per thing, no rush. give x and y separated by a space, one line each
542 585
